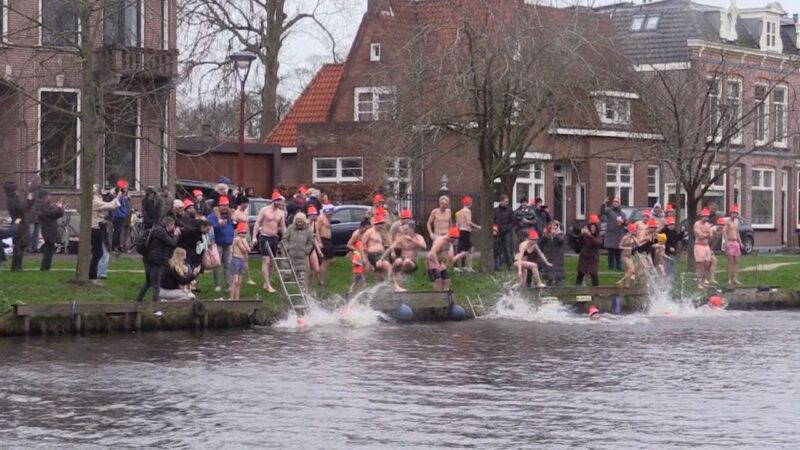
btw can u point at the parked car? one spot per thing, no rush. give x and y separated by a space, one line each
746 235
184 188
345 220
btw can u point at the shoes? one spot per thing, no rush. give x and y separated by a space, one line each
217 289
457 269
251 282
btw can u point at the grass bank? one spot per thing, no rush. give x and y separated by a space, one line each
126 277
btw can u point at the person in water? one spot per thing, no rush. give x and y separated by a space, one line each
529 252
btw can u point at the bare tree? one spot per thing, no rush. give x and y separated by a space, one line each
491 86
219 27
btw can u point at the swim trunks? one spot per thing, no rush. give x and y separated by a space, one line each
327 248
236 266
267 243
373 258
436 274
464 241
702 253
733 248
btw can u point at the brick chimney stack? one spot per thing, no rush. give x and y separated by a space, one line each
374 7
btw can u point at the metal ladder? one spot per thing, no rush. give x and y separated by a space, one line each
478 304
291 285
647 265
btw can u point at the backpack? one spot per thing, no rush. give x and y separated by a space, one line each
574 238
142 244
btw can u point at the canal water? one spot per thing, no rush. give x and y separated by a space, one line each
537 379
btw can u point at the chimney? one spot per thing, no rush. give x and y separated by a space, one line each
374 7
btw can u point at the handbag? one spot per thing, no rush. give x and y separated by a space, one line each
211 259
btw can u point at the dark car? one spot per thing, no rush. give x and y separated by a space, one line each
184 188
344 221
746 235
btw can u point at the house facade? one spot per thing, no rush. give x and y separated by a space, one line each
135 65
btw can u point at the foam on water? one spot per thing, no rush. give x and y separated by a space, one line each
338 312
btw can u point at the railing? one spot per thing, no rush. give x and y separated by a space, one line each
138 62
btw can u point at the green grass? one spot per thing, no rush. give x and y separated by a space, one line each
126 276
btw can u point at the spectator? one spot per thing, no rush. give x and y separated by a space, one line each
524 219
541 214
504 219
18 207
177 213
296 204
552 245
249 192
673 245
589 258
222 222
49 213
313 198
176 277
615 220
100 209
33 214
165 203
7 234
151 208
298 243
120 218
161 243
199 202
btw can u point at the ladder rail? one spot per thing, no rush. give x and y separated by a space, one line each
294 278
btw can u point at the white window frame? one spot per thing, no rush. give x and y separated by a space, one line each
652 22
535 182
77 131
137 157
754 187
338 178
375 52
637 23
580 201
771 35
394 179
714 111
672 188
737 120
781 119
737 185
657 192
718 189
375 91
618 184
622 114
758 105
164 169
164 24
40 26
4 34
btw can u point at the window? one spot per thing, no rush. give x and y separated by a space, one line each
335 170
761 115
374 52
59 23
58 138
530 183
737 185
716 192
652 23
613 111
779 117
762 205
636 24
164 24
373 103
771 34
713 108
3 21
619 182
122 24
398 180
671 195
121 155
653 185
165 146
734 110
580 201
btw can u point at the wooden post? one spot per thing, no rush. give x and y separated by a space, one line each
138 324
26 324
205 321
78 323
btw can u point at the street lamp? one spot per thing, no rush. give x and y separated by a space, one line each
241 63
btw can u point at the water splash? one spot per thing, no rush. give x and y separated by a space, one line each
513 306
337 312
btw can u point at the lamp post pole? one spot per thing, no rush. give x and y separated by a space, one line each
241 63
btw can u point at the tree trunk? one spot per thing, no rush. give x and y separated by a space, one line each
691 217
269 91
88 123
486 242
507 187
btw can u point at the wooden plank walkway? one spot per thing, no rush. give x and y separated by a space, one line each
390 301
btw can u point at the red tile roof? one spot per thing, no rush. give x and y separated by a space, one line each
313 106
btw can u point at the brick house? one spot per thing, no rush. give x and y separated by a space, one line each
40 91
757 49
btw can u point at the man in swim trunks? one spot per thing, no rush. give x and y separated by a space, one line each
325 234
733 245
403 250
465 226
372 242
702 251
439 256
267 233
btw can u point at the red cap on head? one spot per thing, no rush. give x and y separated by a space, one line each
593 310
647 213
533 234
303 190
122 184
241 227
734 208
594 219
197 192
721 221
377 199
631 228
223 200
378 219
276 196
669 221
453 233
312 210
358 245
715 300
467 200
652 223
669 208
405 214
187 203
705 212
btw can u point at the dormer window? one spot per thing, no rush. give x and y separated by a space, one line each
374 52
771 34
645 23
638 22
614 111
651 24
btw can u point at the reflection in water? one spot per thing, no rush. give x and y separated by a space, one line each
727 380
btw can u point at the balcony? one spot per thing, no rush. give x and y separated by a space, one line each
135 62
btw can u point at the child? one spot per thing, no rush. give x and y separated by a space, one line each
626 245
358 270
658 254
240 250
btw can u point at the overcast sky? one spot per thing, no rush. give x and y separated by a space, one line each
308 51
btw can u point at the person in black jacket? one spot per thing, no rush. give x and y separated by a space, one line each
49 213
151 208
176 277
18 206
504 219
9 232
161 242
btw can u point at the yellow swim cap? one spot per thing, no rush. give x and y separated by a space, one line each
662 238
